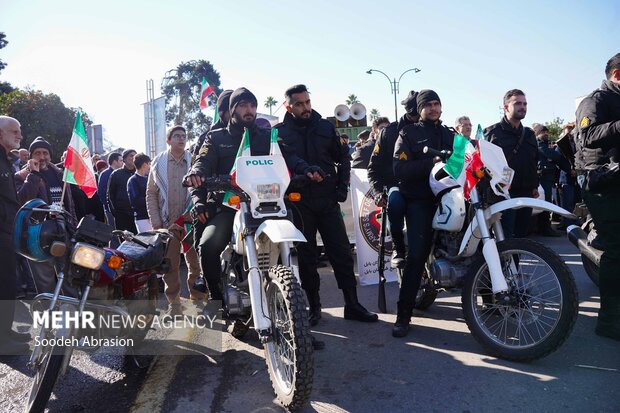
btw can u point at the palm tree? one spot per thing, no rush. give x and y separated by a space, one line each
374 114
269 103
352 99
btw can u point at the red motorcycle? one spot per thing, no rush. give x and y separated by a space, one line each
119 283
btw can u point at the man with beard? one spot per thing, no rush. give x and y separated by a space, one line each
598 142
381 174
42 179
412 168
217 157
118 198
521 150
311 147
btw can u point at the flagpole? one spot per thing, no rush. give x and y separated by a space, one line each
64 189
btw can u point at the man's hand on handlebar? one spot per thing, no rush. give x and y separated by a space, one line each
193 180
200 213
315 173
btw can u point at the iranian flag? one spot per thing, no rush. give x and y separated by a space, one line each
78 165
244 150
465 158
479 134
205 92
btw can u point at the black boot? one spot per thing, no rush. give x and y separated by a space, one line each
401 326
353 310
398 251
314 307
215 291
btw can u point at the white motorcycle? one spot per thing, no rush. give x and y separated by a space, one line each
260 283
519 298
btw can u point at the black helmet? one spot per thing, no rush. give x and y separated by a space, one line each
34 232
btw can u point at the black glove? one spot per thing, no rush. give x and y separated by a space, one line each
341 193
197 210
313 168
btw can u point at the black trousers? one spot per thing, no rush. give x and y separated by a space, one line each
215 236
7 281
324 215
420 237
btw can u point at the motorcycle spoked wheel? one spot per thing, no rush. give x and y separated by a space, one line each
289 352
46 373
590 267
543 306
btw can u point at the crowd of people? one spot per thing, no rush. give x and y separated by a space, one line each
138 194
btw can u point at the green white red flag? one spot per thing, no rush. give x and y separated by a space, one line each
78 164
465 158
205 92
479 134
244 150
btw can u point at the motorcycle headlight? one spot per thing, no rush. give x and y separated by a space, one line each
87 256
268 192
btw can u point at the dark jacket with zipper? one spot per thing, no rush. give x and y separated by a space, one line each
316 144
217 157
598 132
118 198
525 160
412 166
380 167
9 205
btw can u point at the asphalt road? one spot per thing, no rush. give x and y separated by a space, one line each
439 367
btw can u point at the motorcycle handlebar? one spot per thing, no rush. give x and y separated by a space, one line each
443 154
128 236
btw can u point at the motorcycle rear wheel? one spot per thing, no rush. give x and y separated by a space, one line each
543 307
289 352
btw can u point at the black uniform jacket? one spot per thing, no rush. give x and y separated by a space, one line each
217 156
525 160
412 166
316 144
380 167
598 130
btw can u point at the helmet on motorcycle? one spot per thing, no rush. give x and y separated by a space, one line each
440 181
34 233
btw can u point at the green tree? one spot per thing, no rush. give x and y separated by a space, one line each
41 115
374 114
351 99
181 87
5 87
270 102
555 128
3 43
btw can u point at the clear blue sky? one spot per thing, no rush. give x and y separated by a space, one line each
98 55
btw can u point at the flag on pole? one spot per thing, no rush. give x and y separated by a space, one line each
244 150
464 159
479 134
205 92
78 164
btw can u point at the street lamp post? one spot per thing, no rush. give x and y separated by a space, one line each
394 86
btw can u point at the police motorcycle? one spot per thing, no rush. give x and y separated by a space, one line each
519 299
119 283
259 281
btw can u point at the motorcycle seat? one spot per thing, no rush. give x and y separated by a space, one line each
142 258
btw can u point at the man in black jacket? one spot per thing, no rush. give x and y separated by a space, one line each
311 147
11 342
412 168
598 144
521 150
381 174
118 198
223 103
217 157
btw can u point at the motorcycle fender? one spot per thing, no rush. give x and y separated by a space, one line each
280 230
493 213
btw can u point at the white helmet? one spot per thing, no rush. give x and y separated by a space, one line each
440 181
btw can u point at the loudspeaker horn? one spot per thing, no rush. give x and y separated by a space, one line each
342 113
358 111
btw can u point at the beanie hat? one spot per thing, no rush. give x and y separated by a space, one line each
223 102
425 96
127 152
410 103
38 143
241 94
101 165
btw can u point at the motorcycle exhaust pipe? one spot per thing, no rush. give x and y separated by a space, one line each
579 238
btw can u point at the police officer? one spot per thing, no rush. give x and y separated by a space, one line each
223 103
311 147
217 157
412 168
381 174
598 143
521 150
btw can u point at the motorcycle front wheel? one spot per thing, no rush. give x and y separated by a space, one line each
541 310
289 351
